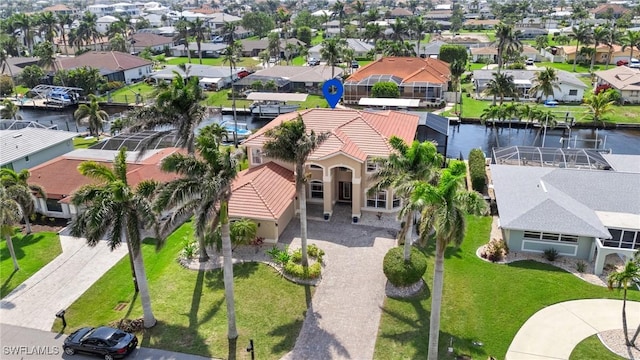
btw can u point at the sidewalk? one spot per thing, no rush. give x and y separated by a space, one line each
58 284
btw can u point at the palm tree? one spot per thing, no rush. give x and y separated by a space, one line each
4 62
612 39
631 40
338 10
204 189
542 42
91 114
291 143
457 69
200 32
182 35
600 36
9 110
418 27
399 172
331 51
507 42
583 35
599 104
26 24
46 53
622 279
501 86
118 43
48 26
88 28
444 207
544 82
359 7
16 183
112 208
228 31
10 214
399 30
64 20
232 55
373 32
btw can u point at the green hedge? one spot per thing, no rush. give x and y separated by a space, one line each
404 273
477 170
298 271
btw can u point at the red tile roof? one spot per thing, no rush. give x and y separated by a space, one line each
262 192
409 69
60 177
110 60
357 134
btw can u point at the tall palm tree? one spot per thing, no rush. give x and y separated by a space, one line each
10 179
229 31
64 20
359 7
583 35
232 56
399 172
10 110
622 279
48 26
47 55
88 25
457 68
92 115
26 24
113 209
599 104
444 208
507 42
600 36
10 214
418 28
331 51
291 143
631 40
544 82
399 30
182 35
373 32
200 32
204 188
501 86
338 11
613 38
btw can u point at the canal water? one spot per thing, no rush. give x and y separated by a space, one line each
462 138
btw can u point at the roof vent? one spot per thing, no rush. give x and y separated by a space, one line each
17 136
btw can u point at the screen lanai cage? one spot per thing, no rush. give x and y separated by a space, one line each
136 141
550 157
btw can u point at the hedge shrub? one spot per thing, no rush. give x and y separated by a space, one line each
477 170
297 270
401 273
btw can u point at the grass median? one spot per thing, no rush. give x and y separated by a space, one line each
189 305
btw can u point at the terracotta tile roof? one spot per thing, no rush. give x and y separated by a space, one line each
262 192
57 7
602 9
110 60
60 177
357 134
149 39
409 69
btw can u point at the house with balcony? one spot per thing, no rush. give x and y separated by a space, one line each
417 78
581 212
339 169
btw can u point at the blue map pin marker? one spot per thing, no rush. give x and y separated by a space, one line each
332 91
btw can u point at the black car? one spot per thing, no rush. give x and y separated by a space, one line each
104 341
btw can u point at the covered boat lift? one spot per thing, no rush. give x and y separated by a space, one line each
283 97
390 103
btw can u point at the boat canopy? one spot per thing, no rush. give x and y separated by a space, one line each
406 103
268 96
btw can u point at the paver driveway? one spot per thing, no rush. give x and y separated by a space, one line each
342 321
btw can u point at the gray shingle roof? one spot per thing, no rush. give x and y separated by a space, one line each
562 200
16 144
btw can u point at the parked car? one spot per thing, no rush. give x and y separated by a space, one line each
622 62
217 39
243 74
105 342
313 62
355 64
273 60
529 62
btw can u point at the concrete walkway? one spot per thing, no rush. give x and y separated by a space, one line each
553 332
58 284
342 321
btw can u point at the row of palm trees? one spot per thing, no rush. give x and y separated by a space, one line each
602 35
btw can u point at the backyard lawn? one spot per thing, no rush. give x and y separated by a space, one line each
83 143
590 346
482 302
244 62
127 94
189 305
569 66
32 251
220 98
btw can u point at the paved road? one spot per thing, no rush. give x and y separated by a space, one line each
553 332
20 343
58 284
343 320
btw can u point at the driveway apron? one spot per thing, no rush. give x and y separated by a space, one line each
342 321
58 284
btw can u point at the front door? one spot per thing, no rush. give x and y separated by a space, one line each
344 191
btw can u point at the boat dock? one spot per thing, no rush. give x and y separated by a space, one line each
39 104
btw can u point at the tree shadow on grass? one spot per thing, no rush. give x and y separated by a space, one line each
6 286
19 244
175 338
428 248
287 333
215 278
535 265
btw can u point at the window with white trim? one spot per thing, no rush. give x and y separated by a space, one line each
256 156
396 202
377 200
371 166
316 189
534 235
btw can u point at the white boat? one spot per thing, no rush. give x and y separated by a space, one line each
241 131
271 109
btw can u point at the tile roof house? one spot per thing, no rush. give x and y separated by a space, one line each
490 53
584 214
399 13
141 41
423 79
624 80
14 65
360 48
114 65
28 147
603 10
60 177
567 53
338 169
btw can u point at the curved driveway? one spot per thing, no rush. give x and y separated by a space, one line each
553 332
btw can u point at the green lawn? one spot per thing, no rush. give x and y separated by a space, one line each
569 66
20 89
244 62
317 39
82 143
32 251
128 93
482 302
220 98
590 346
190 308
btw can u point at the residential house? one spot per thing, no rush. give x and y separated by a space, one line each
570 88
430 50
438 15
307 79
14 65
418 78
568 52
209 50
101 9
155 43
399 13
114 65
28 147
581 213
252 48
489 54
625 80
126 9
530 33
60 177
104 22
338 170
59 9
609 10
360 49
222 73
480 24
